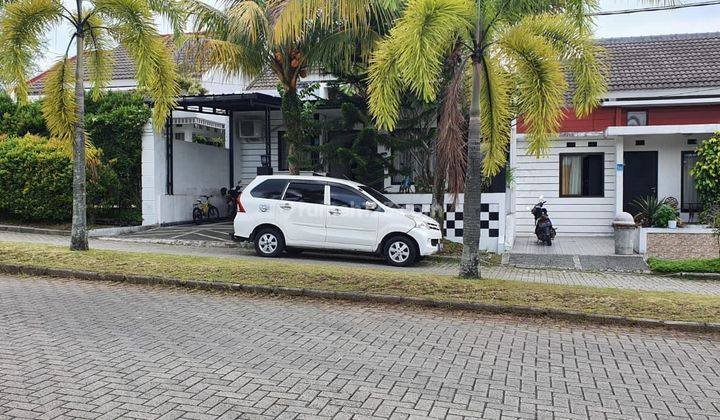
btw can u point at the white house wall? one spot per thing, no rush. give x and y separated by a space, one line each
572 216
197 170
669 148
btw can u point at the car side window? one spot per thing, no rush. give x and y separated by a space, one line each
306 192
271 189
345 197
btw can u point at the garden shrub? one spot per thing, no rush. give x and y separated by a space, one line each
209 141
18 120
115 123
36 179
707 173
663 215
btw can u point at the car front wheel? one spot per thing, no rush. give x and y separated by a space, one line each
269 242
400 251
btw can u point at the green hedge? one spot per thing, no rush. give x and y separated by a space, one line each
114 124
36 180
684 266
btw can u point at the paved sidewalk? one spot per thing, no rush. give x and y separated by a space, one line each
77 349
568 277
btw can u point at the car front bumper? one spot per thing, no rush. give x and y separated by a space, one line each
428 240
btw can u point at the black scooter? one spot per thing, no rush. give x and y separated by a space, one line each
231 196
544 229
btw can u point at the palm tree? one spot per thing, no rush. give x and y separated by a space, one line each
290 38
97 25
519 53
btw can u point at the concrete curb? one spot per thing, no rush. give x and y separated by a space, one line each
38 231
178 242
120 230
692 276
18 269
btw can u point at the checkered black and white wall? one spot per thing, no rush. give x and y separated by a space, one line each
492 217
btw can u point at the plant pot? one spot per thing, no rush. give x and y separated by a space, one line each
672 224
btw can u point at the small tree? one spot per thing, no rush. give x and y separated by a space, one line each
512 49
288 38
707 174
97 24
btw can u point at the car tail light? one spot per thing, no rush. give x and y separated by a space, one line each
240 208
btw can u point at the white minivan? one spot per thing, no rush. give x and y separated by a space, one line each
291 213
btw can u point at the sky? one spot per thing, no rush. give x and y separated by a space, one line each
693 19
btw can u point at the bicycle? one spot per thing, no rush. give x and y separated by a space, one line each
204 210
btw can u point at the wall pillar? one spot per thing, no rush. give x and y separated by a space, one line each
149 201
231 150
619 171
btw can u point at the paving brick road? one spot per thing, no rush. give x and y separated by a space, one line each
79 349
568 277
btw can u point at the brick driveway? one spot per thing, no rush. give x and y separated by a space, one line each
87 350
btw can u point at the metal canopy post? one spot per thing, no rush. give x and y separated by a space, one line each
231 149
169 154
268 147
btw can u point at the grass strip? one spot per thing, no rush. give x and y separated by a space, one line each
669 306
684 266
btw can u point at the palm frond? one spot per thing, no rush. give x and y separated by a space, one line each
228 57
582 56
290 18
247 21
136 32
385 85
59 107
341 50
540 82
22 27
452 125
207 19
426 33
98 48
173 11
495 112
286 21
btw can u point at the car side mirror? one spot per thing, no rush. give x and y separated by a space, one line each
371 205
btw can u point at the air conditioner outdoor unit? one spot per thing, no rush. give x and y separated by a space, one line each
250 129
635 118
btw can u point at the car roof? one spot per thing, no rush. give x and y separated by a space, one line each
309 178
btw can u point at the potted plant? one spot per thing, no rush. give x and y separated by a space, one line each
665 216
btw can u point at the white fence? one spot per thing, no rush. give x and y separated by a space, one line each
493 217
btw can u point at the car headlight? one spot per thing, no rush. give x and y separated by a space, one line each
418 223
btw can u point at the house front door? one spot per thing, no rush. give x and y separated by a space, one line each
640 178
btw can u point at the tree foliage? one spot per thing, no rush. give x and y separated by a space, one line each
289 38
36 180
96 26
519 53
115 122
707 172
18 120
523 54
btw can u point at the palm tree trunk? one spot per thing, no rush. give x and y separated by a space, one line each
79 238
437 207
291 108
469 266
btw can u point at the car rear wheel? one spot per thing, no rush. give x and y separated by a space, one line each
400 251
269 242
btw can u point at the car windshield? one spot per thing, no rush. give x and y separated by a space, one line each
379 197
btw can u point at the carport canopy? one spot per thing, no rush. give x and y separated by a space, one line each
225 104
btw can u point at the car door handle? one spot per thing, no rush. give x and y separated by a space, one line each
285 206
335 212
